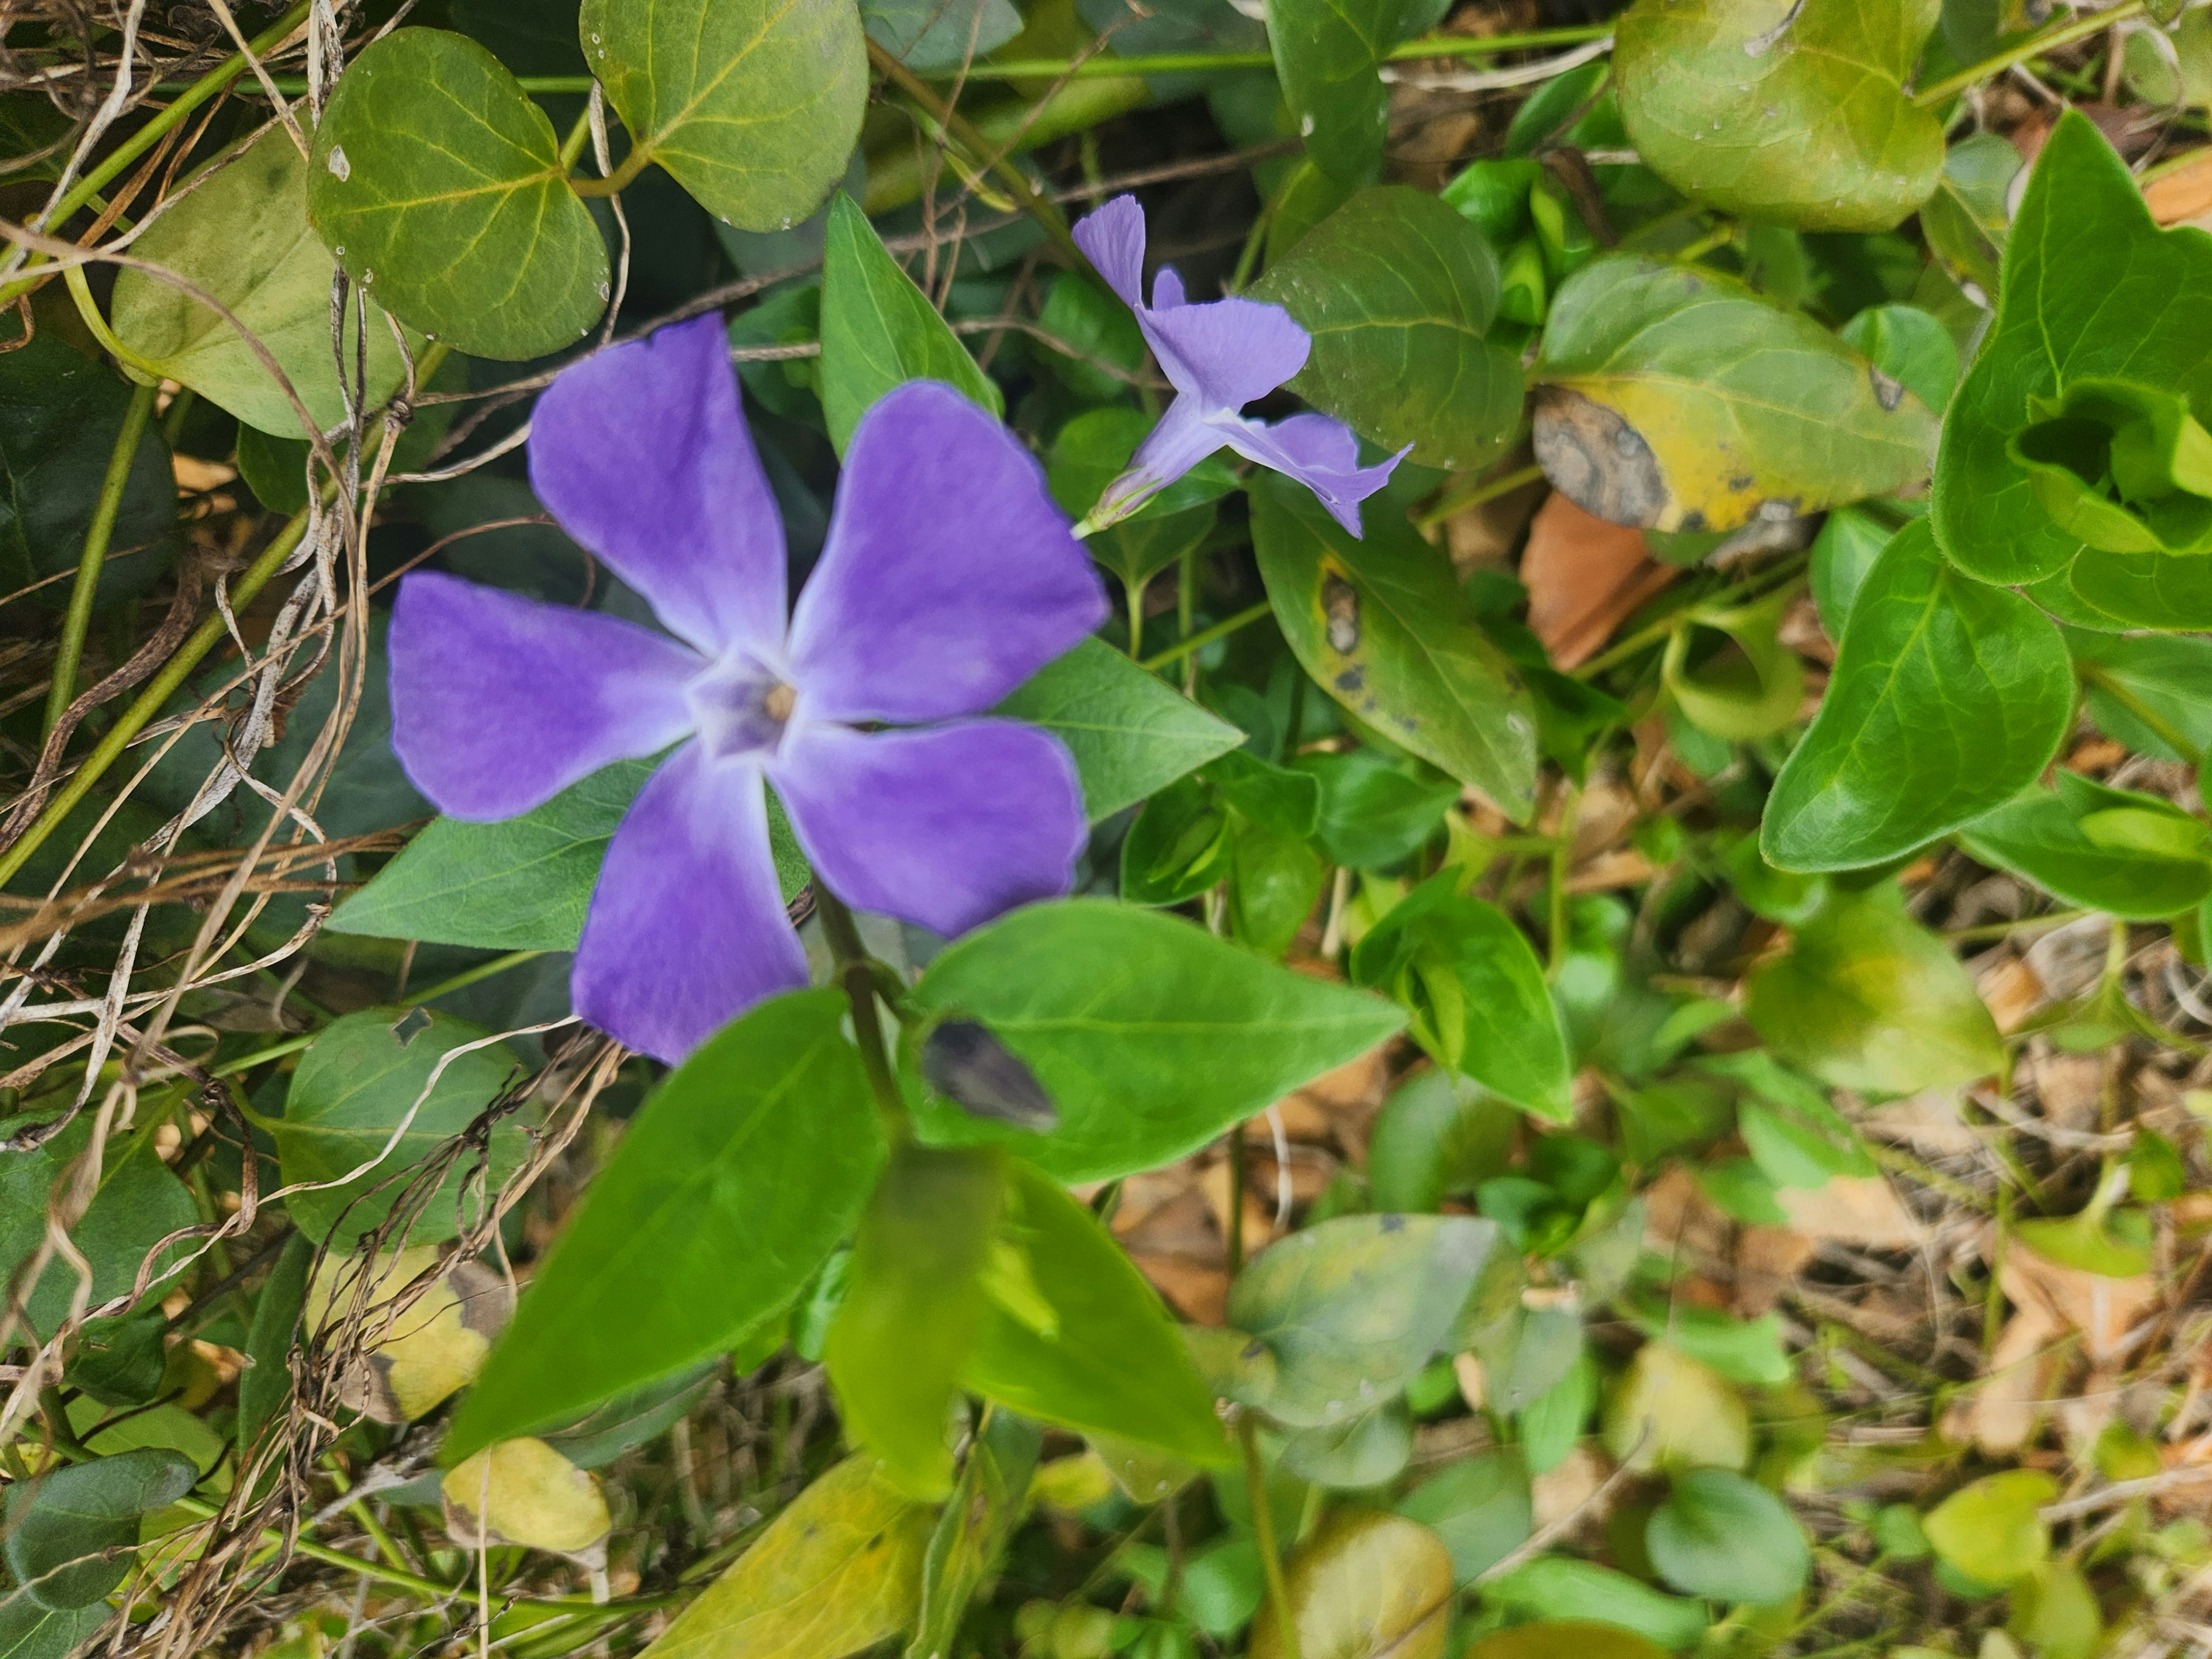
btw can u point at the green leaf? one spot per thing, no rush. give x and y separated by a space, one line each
1150 1036
1383 627
879 330
1553 1588
1366 1585
646 1413
1562 1638
60 415
728 1189
28 1631
2131 855
1073 1335
914 1305
1399 292
987 1505
1326 55
1130 732
1869 999
1352 1307
1671 1411
1850 540
1179 846
1357 1455
1965 220
752 106
1792 111
2132 681
1437 1134
267 1381
1375 813
120 1361
1721 1536
2093 289
838 1571
438 185
373 1079
521 883
1910 345
1750 687
62 1525
1275 879
2121 464
1676 399
1948 697
1990 1530
242 236
926 36
1479 1508
1479 1002
139 1202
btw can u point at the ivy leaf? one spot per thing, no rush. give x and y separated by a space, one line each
752 106
1792 111
1949 698
1399 292
1150 1036
1673 399
1327 52
2130 855
879 329
1869 999
2092 288
837 1571
438 186
727 1190
62 1525
1383 626
242 235
1723 1537
1131 734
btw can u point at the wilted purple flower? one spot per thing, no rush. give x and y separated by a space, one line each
1219 356
948 578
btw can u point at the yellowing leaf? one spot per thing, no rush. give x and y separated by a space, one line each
1366 1585
523 1492
419 1348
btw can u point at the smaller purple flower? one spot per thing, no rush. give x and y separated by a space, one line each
948 578
1219 356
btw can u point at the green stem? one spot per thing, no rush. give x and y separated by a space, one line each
857 970
1719 237
1134 593
2062 34
163 686
207 87
1200 641
70 652
1263 1533
1481 490
626 170
1989 930
469 976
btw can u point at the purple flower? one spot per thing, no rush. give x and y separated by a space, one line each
1219 356
949 577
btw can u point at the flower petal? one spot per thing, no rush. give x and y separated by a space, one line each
1226 352
641 452
945 827
949 576
1112 239
1322 454
500 703
1178 442
687 927
1167 288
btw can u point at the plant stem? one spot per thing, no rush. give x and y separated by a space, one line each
1134 593
163 686
70 652
469 976
2062 34
1204 637
1263 1533
625 170
1481 490
857 971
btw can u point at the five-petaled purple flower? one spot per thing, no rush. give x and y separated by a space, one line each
1219 356
949 577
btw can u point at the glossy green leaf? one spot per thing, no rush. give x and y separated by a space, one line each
914 1305
1399 292
2130 682
438 185
752 106
1910 345
631 1418
1559 1587
2122 464
120 1361
1792 111
31 1630
267 1381
1481 1508
1178 848
1479 1002
1150 1036
1383 626
1352 1307
2092 288
62 1526
1130 732
1326 56
1375 813
1965 220
1073 1335
1851 539
728 1189
1674 398
1275 881
1948 697
2128 854
139 1202
1991 1530
1750 687
1869 1000
242 237
987 1503
1366 1585
837 1571
379 1079
879 329
1721 1536
60 415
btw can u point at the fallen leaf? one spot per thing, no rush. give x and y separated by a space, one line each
2103 1310
1766 1260
1566 1487
2000 1415
1864 1210
1585 577
2012 992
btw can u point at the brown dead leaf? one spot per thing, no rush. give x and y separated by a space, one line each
2183 196
1858 1210
2000 1416
2068 1087
1766 1260
2012 992
1584 578
1259 1203
1929 1123
2103 1310
1196 1290
1561 1492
